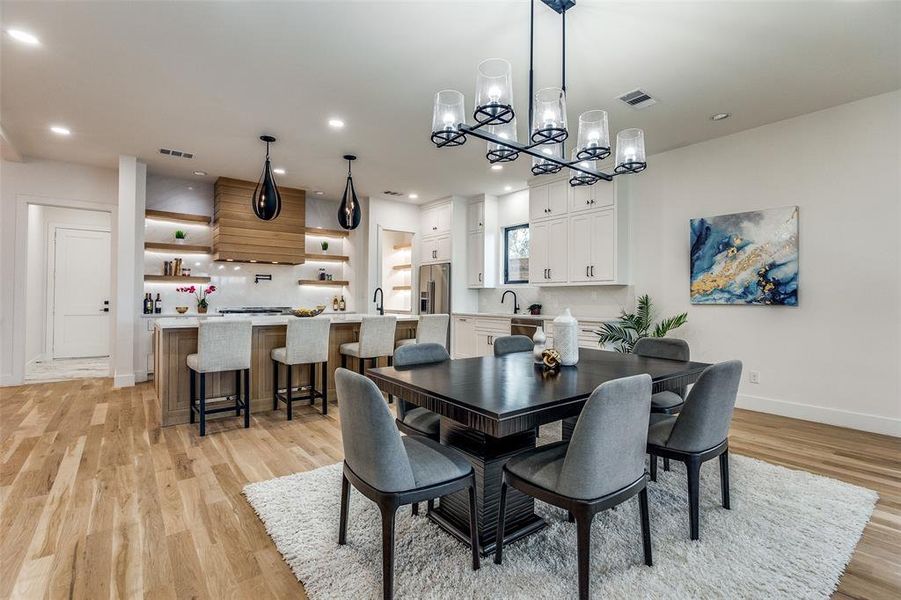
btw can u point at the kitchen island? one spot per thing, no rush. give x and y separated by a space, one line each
175 338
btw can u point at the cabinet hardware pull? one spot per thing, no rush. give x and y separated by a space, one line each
592 270
548 273
586 271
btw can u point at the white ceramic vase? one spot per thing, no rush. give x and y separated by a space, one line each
540 341
566 338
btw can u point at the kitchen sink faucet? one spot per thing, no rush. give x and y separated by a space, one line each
515 303
380 303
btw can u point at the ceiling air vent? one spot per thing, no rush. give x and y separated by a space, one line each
176 153
638 98
392 193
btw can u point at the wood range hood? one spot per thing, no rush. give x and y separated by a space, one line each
239 236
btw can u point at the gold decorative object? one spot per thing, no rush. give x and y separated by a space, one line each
308 312
181 309
550 360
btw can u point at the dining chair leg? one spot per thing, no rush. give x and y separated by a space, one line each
325 387
694 483
343 361
312 384
473 525
345 501
238 393
414 510
583 548
501 515
288 400
388 518
361 366
724 478
202 404
192 395
645 526
274 384
653 460
430 506
665 464
246 398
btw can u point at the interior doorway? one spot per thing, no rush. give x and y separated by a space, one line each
396 270
68 293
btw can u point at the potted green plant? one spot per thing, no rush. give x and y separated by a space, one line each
534 309
180 236
324 245
631 327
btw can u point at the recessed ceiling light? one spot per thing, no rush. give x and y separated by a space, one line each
508 188
200 173
278 171
221 267
335 123
190 187
497 167
251 260
318 192
60 130
413 196
197 264
237 268
24 37
720 116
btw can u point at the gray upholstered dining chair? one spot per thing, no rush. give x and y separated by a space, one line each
700 432
602 466
431 329
509 344
222 345
306 343
393 470
412 419
667 402
376 340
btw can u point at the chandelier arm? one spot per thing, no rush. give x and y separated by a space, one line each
531 64
574 165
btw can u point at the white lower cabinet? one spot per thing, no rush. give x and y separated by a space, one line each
464 337
474 336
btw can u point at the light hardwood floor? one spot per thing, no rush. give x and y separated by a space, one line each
99 501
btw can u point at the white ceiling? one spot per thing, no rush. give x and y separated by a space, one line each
131 77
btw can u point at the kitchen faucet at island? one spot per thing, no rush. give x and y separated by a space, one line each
515 303
380 303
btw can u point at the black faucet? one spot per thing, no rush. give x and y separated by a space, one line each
515 303
380 303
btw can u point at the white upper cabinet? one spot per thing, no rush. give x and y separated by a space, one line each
548 258
435 249
475 217
592 247
590 197
475 259
547 201
482 242
436 219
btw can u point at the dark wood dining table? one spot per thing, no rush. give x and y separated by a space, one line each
491 408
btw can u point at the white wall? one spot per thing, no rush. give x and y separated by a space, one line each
45 181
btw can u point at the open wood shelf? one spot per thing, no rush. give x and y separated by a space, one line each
174 216
333 282
402 267
328 257
177 278
402 246
184 248
401 287
334 233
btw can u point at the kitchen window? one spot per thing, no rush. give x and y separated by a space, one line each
516 254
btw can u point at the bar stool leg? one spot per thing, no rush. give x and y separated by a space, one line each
325 387
312 384
288 399
343 361
361 366
238 393
193 394
246 398
274 384
202 404
390 361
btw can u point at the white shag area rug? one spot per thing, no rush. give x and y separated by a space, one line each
789 534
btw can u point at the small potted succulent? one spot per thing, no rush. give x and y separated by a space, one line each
534 309
200 295
180 236
324 245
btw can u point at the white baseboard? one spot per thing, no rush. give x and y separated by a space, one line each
123 380
141 376
7 379
821 414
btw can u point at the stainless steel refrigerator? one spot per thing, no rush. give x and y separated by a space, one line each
434 289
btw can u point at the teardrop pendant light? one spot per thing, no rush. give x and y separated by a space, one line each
267 202
349 213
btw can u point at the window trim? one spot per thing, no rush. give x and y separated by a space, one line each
507 230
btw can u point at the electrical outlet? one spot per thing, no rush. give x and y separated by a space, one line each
754 376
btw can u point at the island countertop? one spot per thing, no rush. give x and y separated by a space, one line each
268 320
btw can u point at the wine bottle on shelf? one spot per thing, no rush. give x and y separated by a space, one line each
158 304
148 304
341 304
335 303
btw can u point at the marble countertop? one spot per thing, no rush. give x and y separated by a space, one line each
265 320
490 315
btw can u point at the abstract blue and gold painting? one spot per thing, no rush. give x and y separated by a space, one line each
746 258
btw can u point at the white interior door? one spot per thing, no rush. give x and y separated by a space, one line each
81 293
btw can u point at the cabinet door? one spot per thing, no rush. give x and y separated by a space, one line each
429 224
483 344
428 251
443 217
557 250
604 194
603 246
557 198
464 338
581 197
475 214
580 248
538 242
475 260
443 248
538 203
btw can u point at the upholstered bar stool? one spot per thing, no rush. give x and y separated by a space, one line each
306 343
431 329
222 345
376 340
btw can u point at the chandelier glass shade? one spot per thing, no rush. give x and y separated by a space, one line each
495 122
266 201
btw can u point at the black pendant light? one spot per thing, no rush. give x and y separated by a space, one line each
267 202
349 213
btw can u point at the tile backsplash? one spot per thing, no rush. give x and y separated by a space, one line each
585 302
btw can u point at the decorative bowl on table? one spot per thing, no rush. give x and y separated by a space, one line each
307 312
181 309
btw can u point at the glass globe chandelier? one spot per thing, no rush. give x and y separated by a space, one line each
495 122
